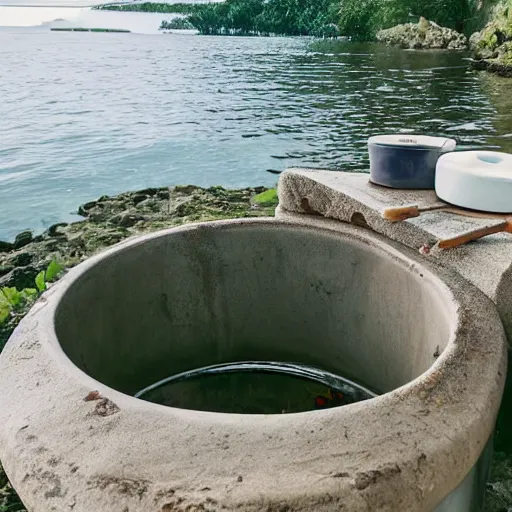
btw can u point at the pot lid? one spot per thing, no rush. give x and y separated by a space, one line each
407 140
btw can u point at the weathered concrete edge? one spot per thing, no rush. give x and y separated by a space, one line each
42 404
300 193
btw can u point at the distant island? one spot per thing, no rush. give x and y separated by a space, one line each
154 7
73 29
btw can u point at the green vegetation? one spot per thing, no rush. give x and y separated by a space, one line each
265 17
357 19
176 24
499 30
14 302
252 17
152 7
9 501
362 19
89 30
267 198
492 47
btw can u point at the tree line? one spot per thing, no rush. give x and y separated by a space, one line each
265 17
357 19
179 8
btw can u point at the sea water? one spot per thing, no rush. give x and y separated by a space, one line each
253 387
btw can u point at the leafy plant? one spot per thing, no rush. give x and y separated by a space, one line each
5 308
12 299
53 270
41 281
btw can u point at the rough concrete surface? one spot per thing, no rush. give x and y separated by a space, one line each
349 197
69 441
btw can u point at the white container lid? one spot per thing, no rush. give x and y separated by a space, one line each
479 180
410 141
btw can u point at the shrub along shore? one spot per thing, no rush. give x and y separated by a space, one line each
486 23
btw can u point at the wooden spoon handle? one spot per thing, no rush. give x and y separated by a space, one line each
450 243
399 213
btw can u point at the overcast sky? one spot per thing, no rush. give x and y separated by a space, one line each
81 3
49 3
52 3
23 13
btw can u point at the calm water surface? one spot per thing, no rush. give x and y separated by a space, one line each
82 115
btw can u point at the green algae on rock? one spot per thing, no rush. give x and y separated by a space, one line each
424 35
492 47
267 198
110 220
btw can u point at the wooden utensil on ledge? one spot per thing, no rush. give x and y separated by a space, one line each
470 236
401 213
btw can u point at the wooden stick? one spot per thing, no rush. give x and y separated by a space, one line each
450 243
401 213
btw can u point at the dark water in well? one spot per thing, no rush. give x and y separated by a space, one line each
82 115
255 388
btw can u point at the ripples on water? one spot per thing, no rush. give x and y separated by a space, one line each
82 115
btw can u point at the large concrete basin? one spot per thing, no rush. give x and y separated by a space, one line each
346 300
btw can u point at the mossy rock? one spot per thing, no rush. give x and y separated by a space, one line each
423 36
492 47
267 198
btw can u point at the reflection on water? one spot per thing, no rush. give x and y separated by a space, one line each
255 387
84 115
499 92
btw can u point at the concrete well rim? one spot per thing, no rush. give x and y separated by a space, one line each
480 420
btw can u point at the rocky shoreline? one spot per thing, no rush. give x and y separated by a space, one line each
492 47
424 35
110 220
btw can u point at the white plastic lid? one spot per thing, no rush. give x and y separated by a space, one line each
489 165
479 180
406 140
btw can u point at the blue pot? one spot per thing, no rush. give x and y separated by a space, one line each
406 161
